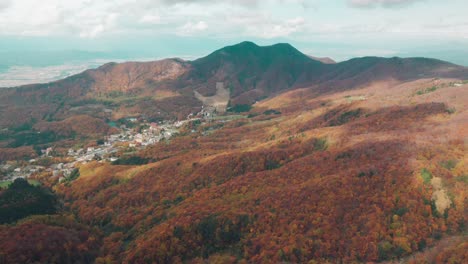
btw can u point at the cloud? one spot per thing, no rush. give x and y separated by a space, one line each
216 19
93 28
231 2
4 4
93 19
383 3
150 19
283 29
190 28
260 25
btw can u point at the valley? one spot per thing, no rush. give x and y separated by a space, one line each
130 140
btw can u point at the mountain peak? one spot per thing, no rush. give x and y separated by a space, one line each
326 60
250 49
247 44
285 48
242 47
283 45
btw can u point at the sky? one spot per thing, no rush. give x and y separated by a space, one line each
41 34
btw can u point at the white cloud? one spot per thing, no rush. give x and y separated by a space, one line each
190 28
49 17
262 25
218 19
91 19
151 19
248 3
96 26
283 29
4 4
384 3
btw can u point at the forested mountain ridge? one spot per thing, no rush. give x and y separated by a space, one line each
251 72
367 175
167 89
366 163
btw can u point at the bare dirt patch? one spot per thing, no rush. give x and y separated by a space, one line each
219 101
440 197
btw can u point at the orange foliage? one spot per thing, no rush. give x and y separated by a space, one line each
344 185
291 200
80 124
47 240
16 153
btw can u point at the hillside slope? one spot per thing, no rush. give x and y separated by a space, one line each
351 176
167 89
251 73
359 161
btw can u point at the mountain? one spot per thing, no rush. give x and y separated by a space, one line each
250 71
361 161
253 72
131 76
172 88
325 60
359 72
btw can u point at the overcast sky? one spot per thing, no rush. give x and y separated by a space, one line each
340 29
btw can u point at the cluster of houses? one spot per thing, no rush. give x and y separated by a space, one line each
127 138
13 171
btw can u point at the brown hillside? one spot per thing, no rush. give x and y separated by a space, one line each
165 89
249 71
131 76
82 125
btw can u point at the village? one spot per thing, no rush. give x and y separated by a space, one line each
129 139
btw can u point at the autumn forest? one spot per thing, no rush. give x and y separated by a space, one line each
373 173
